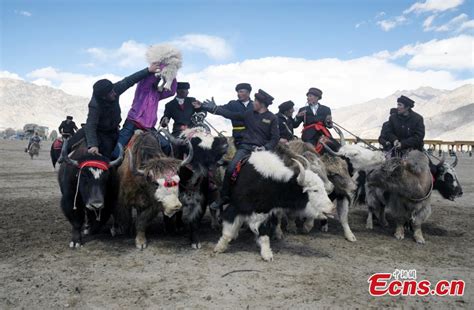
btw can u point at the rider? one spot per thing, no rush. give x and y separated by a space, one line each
34 139
406 128
180 109
261 134
67 128
143 113
316 118
285 121
241 105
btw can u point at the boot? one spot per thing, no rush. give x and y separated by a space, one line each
224 196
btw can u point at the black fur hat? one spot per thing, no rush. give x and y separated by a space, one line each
407 102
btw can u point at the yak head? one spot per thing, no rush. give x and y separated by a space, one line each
207 149
445 179
93 174
161 180
315 164
319 205
338 173
358 158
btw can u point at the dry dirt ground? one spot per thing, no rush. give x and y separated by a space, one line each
39 271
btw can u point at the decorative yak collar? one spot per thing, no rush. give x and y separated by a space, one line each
95 164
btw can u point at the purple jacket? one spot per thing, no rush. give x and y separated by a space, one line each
145 103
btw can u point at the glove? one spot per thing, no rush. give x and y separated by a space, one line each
209 105
164 122
259 148
328 121
397 144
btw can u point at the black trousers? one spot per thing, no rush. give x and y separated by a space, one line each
243 151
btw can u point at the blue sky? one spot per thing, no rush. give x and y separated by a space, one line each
58 32
385 35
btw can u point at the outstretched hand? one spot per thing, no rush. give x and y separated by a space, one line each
209 105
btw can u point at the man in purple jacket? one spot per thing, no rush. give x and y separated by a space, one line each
143 113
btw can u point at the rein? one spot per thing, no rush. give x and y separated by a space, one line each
89 163
424 198
373 148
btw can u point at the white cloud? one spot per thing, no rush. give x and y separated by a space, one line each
9 75
380 14
454 53
130 54
389 24
466 26
214 47
455 22
360 24
42 82
428 22
72 83
343 82
24 13
433 6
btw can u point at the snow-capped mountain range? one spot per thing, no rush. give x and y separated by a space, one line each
448 114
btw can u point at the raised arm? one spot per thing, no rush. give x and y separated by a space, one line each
91 124
211 107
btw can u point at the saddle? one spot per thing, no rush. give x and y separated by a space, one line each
238 167
58 144
325 138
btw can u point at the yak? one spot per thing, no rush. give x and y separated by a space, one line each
265 186
149 184
89 190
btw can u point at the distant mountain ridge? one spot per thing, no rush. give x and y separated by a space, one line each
448 114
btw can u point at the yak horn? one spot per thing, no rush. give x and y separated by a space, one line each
302 174
118 161
454 164
173 140
132 165
341 135
329 150
65 155
308 165
441 162
190 156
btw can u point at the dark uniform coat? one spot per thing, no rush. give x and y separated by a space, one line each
68 128
286 125
238 126
409 130
261 128
181 115
311 135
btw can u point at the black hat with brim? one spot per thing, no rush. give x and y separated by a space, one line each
263 97
245 86
315 91
183 85
285 106
407 102
69 117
